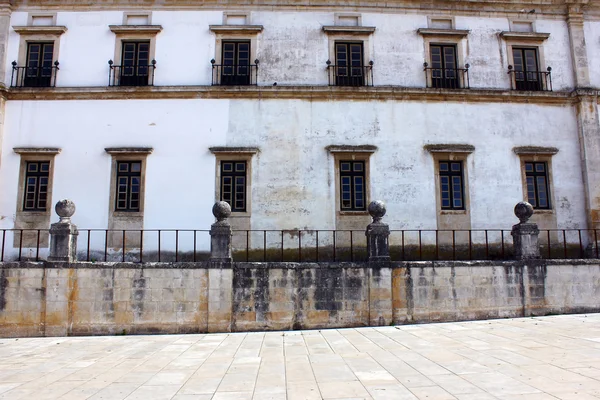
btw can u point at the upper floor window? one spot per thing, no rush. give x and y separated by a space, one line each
136 68
538 192
37 175
39 71
129 174
349 69
527 74
352 185
235 58
443 66
233 184
451 185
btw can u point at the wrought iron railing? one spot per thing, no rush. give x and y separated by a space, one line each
531 80
343 75
44 76
447 78
131 75
186 245
234 74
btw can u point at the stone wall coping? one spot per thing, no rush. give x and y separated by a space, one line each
129 150
348 30
298 265
314 92
535 150
532 36
233 150
37 150
236 28
344 148
150 29
443 32
449 148
40 30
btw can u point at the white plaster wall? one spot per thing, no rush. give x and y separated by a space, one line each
293 183
592 44
292 49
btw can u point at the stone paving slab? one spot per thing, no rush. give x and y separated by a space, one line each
542 358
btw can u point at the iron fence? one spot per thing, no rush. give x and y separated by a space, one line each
188 245
531 80
41 76
447 78
234 74
141 74
350 75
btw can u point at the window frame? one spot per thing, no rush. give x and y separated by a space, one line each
538 154
457 78
234 174
129 186
535 175
134 33
445 37
37 191
451 174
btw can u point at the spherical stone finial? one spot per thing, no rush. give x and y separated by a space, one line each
377 210
221 210
523 211
65 209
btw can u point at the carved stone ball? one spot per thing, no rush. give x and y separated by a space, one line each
221 210
65 209
523 211
377 210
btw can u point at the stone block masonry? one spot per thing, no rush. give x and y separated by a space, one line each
63 299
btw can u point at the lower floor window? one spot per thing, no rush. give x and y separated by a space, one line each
451 185
129 175
537 184
352 185
36 185
233 184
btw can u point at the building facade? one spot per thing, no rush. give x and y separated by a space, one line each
299 113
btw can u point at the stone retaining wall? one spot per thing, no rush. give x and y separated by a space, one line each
54 299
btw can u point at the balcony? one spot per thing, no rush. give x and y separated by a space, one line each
131 75
44 76
446 78
539 81
234 74
343 75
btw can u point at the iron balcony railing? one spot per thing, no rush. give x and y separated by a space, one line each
234 74
186 245
343 75
531 80
447 78
131 75
44 76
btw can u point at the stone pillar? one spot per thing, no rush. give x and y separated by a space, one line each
63 234
220 233
378 233
5 13
577 44
525 234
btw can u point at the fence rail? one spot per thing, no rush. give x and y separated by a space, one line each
234 74
131 75
350 75
531 80
187 245
447 78
40 76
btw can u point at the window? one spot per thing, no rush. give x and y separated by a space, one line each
444 66
37 176
536 174
233 184
352 185
349 69
129 174
451 185
39 64
526 71
236 63
135 64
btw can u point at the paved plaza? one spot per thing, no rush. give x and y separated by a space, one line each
527 358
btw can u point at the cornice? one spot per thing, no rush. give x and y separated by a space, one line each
234 150
37 150
346 148
443 32
348 30
40 30
529 36
128 150
449 148
318 93
528 150
233 29
125 29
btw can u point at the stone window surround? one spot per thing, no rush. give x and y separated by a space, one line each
235 154
341 33
127 154
340 15
133 33
147 14
38 34
521 20
456 37
537 154
31 16
236 32
451 152
353 153
34 219
526 40
430 20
